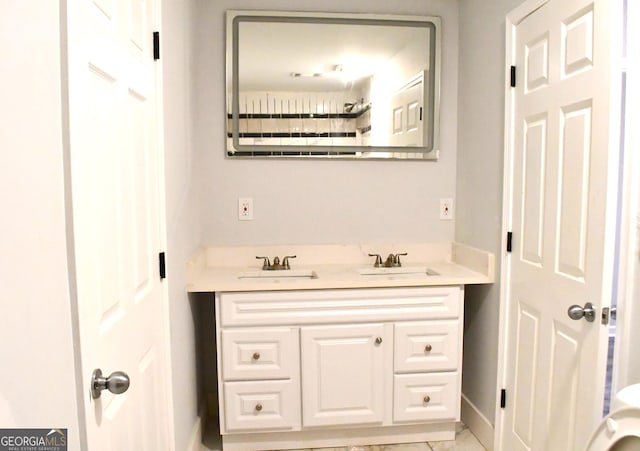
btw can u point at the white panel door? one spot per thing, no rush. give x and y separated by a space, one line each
343 374
562 243
407 126
116 192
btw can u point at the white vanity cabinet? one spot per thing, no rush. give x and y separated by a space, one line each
314 368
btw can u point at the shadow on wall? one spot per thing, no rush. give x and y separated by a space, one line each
203 313
474 296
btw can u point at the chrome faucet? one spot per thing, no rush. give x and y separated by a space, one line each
392 261
276 266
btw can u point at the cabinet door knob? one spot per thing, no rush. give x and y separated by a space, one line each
256 356
426 399
258 407
427 348
378 340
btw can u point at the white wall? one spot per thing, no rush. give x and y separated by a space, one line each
319 201
36 343
183 225
479 183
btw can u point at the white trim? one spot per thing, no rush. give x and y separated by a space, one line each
69 230
477 423
168 408
341 438
511 21
195 438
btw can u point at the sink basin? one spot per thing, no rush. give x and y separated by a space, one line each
261 275
403 272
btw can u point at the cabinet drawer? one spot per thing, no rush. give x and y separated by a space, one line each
420 397
261 405
426 346
260 353
339 306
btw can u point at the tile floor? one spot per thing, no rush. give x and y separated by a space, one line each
465 441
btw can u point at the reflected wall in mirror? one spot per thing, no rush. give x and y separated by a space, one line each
332 85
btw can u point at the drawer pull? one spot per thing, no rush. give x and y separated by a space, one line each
258 407
256 356
426 399
378 340
427 348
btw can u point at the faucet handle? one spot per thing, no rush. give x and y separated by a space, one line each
397 261
378 262
266 264
285 261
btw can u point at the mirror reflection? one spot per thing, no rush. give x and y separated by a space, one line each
333 86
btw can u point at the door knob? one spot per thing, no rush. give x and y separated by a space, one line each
116 383
587 312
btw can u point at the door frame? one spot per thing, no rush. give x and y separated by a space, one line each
167 368
512 20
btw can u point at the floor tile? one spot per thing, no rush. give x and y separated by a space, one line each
407 447
465 441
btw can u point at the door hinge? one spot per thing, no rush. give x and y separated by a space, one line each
420 113
512 82
503 398
156 45
509 240
162 265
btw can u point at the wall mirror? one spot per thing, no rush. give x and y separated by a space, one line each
323 85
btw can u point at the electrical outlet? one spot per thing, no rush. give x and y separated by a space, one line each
245 209
446 209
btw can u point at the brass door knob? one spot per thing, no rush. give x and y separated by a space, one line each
427 348
426 399
256 356
378 340
258 407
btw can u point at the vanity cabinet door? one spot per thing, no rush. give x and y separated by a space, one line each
343 374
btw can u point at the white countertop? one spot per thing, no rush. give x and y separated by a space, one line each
217 269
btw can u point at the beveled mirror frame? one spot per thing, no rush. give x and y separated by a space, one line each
236 150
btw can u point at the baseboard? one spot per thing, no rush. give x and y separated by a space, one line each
195 439
477 423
